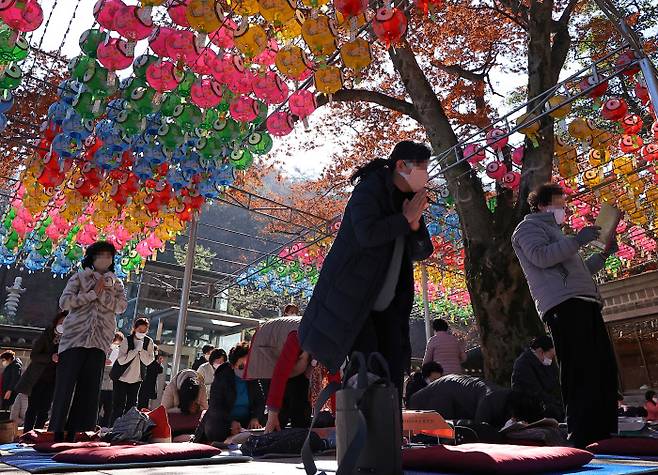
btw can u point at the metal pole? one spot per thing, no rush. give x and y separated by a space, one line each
426 303
185 297
649 73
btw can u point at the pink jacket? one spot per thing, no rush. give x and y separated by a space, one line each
446 350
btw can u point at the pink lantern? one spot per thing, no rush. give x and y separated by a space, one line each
19 226
105 12
648 245
268 56
204 63
23 16
243 109
154 242
240 83
177 14
133 23
577 222
497 139
280 124
163 76
223 37
53 232
636 233
621 227
654 130
206 93
582 208
159 39
270 88
180 45
496 170
116 54
302 103
511 180
142 248
517 155
626 252
473 153
226 66
87 235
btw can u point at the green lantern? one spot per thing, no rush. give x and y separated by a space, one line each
170 101
12 48
100 82
209 117
142 100
187 116
88 106
130 121
141 64
208 147
170 135
90 39
226 130
12 77
130 85
185 85
260 143
79 66
262 113
241 159
9 217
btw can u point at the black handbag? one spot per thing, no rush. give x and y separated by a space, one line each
284 442
368 422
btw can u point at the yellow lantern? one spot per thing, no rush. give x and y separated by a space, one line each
291 61
328 80
592 177
652 195
529 127
581 129
320 35
356 55
561 146
636 182
277 12
601 138
250 39
204 15
314 4
562 111
292 29
244 7
638 217
598 157
623 165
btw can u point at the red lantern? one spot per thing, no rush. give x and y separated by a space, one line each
654 130
511 180
496 170
628 62
518 154
389 25
350 8
474 153
649 152
641 92
497 139
597 90
630 143
631 124
614 108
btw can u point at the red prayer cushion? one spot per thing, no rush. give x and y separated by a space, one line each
39 436
625 446
494 458
53 447
183 423
162 430
139 453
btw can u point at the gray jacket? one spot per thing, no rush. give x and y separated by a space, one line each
551 263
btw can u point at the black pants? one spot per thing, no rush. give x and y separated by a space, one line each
383 333
77 391
124 396
296 408
588 370
38 405
106 406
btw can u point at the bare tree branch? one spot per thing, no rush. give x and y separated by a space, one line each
365 95
459 71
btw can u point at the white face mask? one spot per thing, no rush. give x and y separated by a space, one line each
60 328
140 336
547 361
102 264
216 365
559 214
239 372
207 357
5 363
655 400
417 178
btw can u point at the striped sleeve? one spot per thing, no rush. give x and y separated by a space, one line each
114 299
72 298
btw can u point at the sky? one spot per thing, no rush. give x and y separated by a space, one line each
67 23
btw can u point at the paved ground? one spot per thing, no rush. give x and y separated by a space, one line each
280 467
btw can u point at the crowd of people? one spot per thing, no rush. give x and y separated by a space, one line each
362 302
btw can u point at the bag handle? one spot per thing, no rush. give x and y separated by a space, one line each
362 378
379 358
307 453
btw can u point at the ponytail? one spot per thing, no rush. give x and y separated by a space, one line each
376 164
406 150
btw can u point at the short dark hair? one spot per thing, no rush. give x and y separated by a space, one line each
406 150
216 354
207 349
118 336
141 321
7 355
648 396
95 249
543 195
440 325
238 351
544 342
289 307
431 367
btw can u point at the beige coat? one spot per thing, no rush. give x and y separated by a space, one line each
91 322
170 399
266 346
